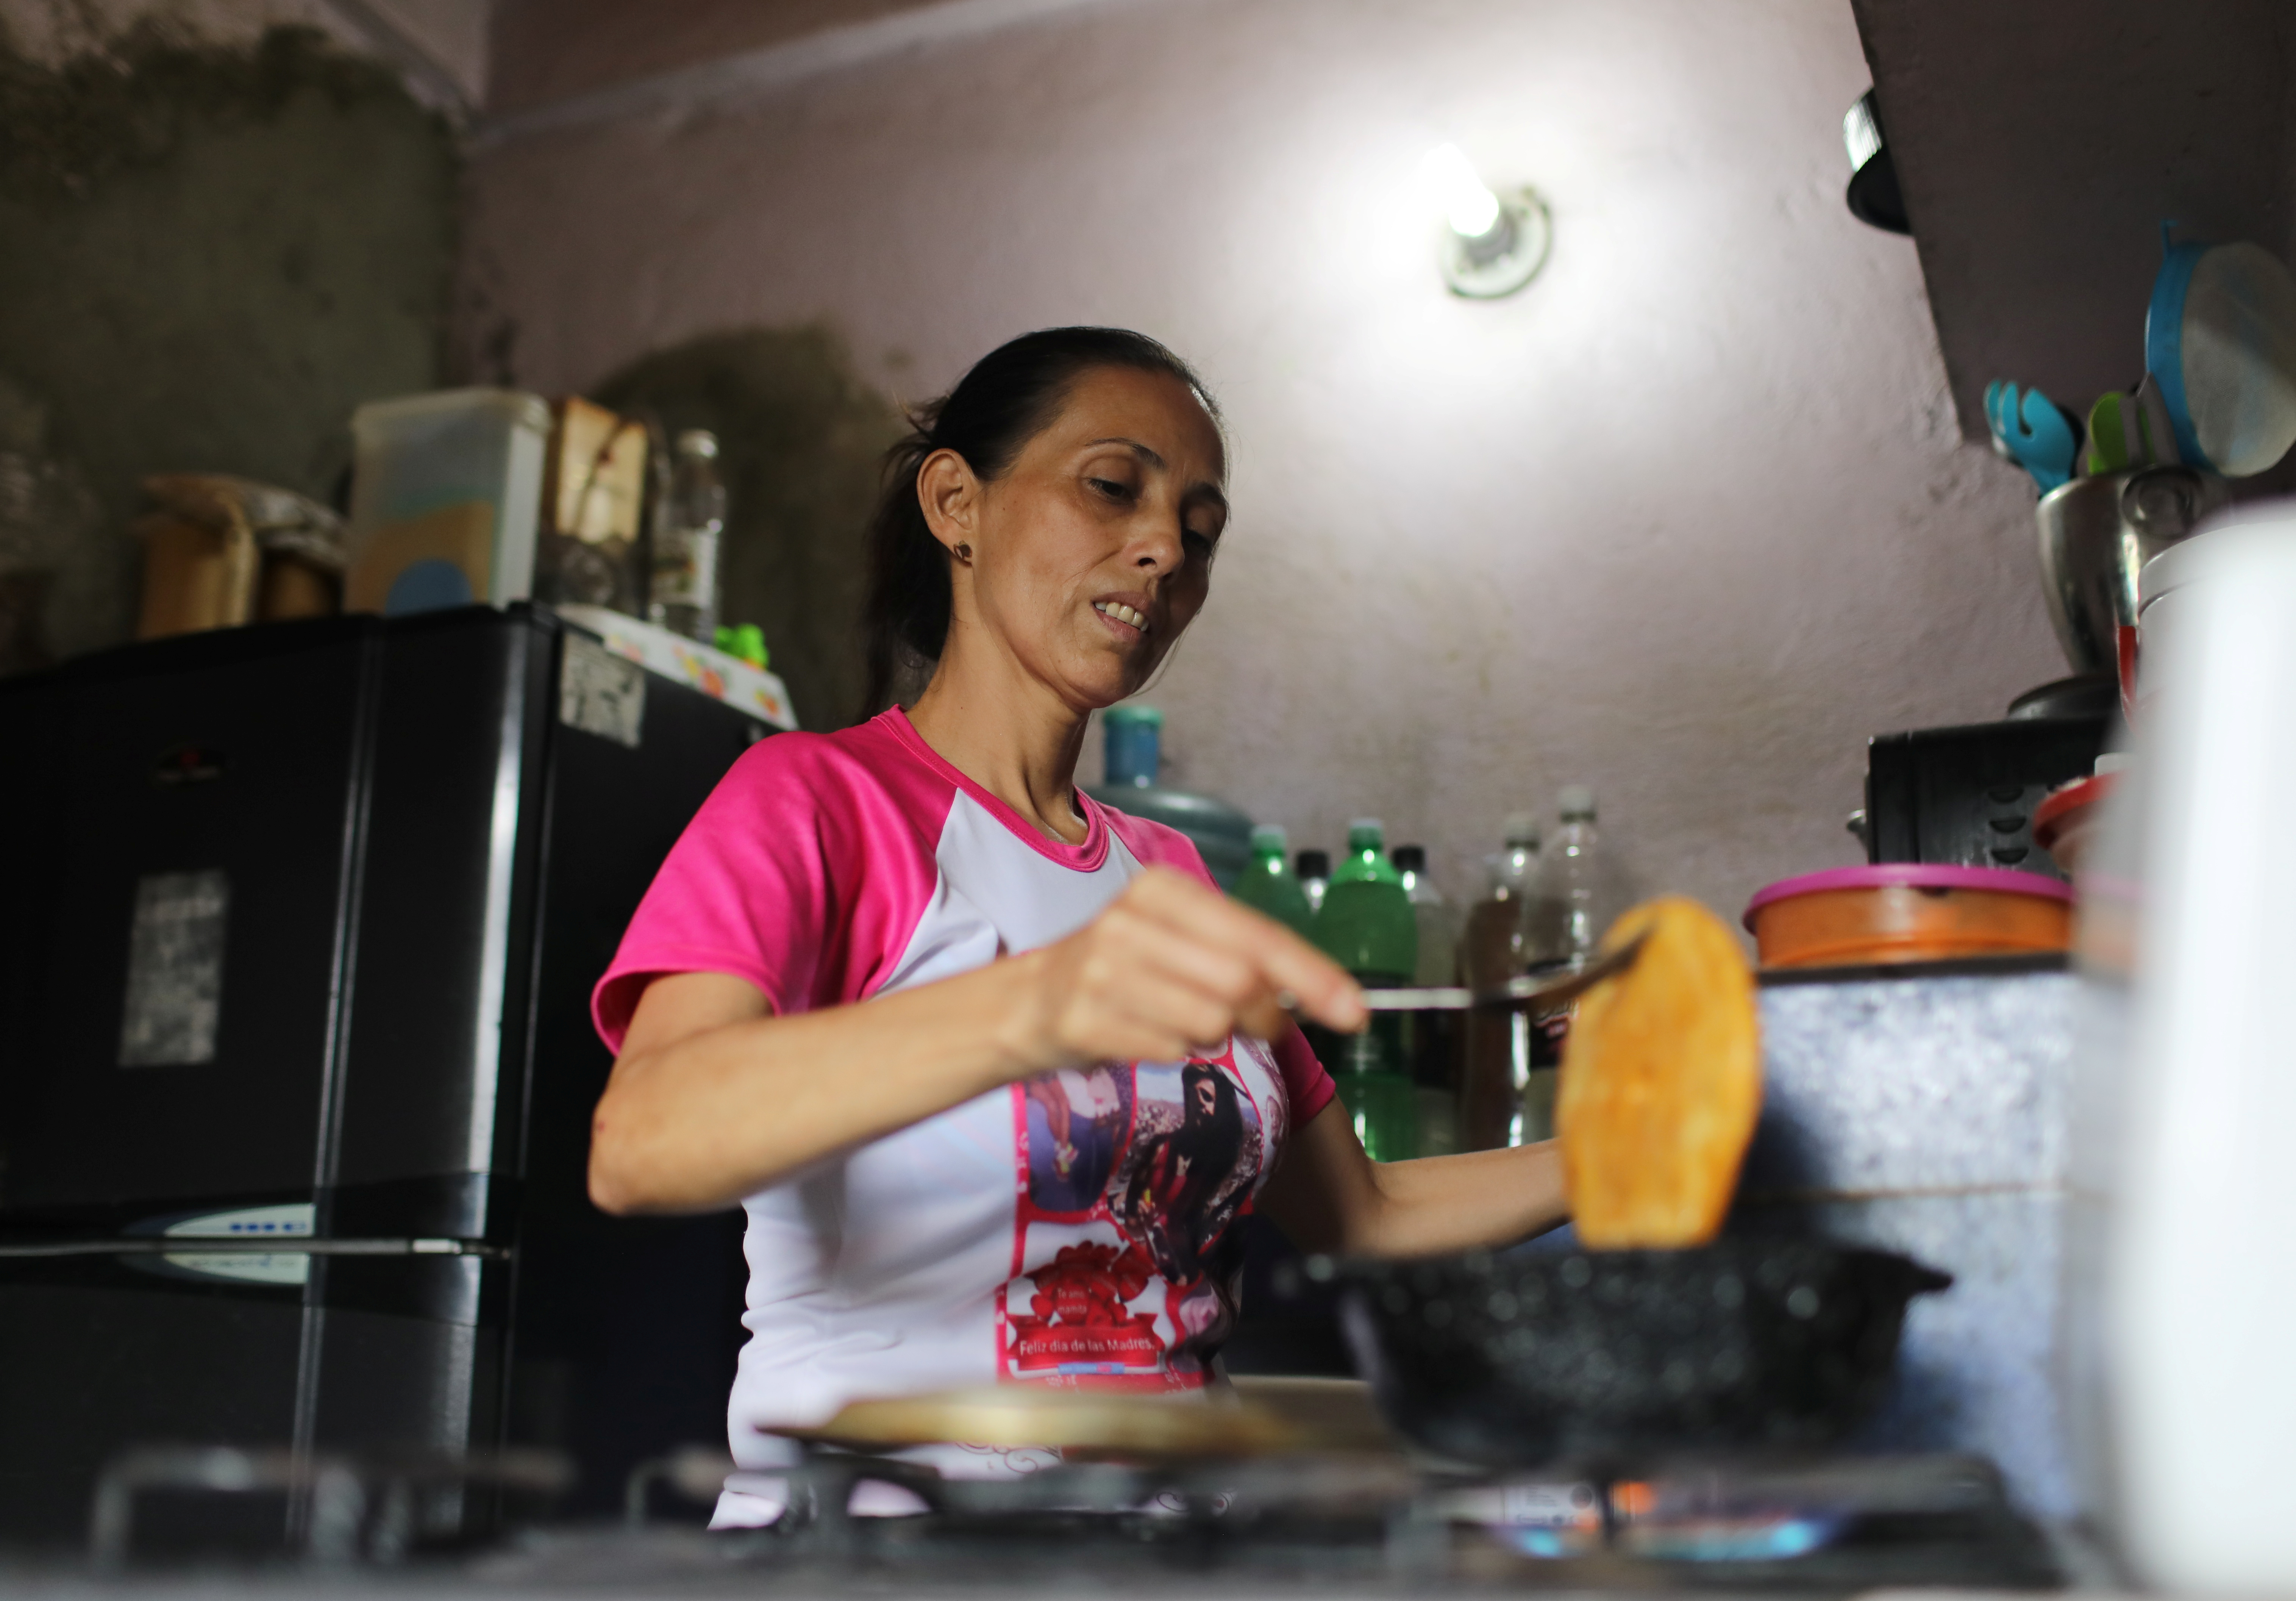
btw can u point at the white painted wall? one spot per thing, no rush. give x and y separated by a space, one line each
1688 520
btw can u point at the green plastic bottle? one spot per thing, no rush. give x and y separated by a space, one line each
1368 927
1269 884
1381 1102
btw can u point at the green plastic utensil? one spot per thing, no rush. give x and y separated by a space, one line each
2109 447
2131 429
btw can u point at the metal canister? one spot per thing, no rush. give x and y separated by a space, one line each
2097 532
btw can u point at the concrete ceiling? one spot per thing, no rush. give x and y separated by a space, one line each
2040 146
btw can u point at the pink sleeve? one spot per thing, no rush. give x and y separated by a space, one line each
1305 1081
796 875
1305 1085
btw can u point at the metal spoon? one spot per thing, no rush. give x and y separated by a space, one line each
1536 994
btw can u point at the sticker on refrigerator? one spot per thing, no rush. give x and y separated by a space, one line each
174 970
283 1222
601 693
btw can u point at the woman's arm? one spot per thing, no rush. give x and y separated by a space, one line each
1328 1195
714 1098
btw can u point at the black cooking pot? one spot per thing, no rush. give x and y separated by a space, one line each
1604 1359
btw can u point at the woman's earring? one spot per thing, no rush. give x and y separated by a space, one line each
964 553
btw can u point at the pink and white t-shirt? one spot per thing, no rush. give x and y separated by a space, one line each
1079 1228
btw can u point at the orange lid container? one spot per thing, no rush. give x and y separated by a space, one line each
1907 912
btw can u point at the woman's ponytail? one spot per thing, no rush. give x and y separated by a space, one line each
905 619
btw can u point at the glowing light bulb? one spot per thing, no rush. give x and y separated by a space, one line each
1450 179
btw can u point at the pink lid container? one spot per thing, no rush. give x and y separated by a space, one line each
1912 875
1907 912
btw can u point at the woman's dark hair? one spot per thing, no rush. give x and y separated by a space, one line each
1210 1141
1008 398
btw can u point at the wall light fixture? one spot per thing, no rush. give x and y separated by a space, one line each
1493 243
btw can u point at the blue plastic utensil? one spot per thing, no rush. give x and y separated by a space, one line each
2036 432
1994 422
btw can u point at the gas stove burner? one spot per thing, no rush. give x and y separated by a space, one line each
1821 1522
1737 1512
1838 1524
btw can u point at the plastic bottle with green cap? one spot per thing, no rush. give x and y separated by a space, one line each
1368 926
1134 736
1269 886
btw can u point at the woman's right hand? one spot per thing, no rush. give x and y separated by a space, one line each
714 1098
1169 969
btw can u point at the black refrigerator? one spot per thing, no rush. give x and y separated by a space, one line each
298 932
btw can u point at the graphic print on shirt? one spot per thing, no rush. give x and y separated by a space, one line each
1131 1176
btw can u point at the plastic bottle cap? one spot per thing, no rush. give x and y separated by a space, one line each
1409 859
1576 803
1521 828
1270 836
1366 833
746 641
1145 717
698 441
1314 863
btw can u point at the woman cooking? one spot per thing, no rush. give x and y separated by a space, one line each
993 1068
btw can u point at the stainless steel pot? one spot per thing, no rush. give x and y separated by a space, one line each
2097 532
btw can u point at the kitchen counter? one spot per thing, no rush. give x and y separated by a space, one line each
1924 1110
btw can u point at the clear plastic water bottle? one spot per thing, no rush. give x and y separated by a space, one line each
1431 915
684 598
1565 913
1498 945
1269 884
1570 877
1498 940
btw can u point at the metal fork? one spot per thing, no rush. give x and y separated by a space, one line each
1536 994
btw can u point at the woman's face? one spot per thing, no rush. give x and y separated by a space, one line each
1093 550
1206 1100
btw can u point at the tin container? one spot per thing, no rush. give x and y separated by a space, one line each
1907 912
2097 533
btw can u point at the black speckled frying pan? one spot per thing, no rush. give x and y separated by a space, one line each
1607 1358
